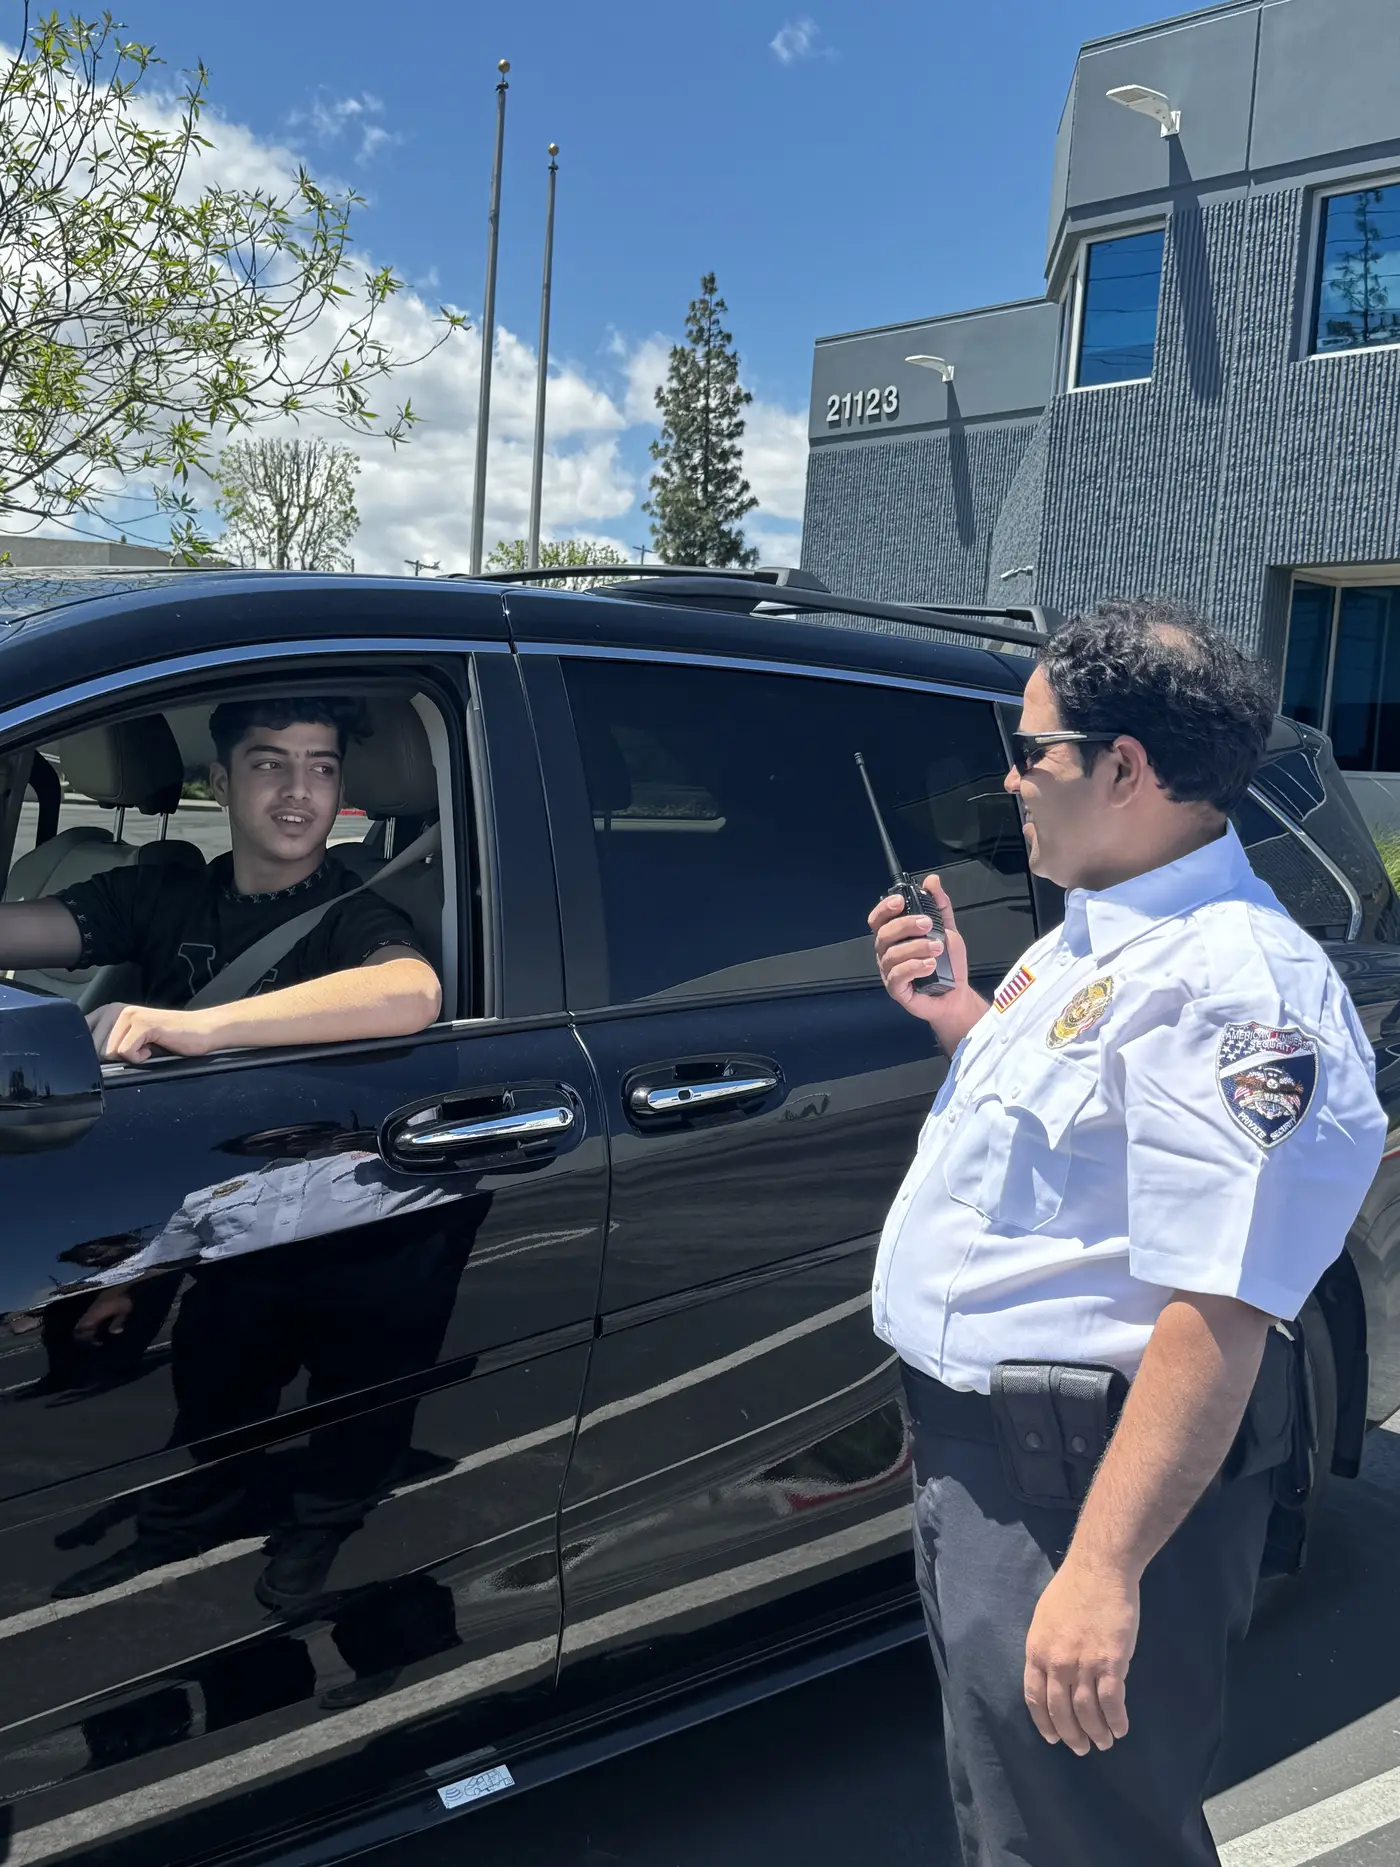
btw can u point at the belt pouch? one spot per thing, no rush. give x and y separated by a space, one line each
1291 1454
1054 1420
1273 1431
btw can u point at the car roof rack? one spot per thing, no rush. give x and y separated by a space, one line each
1022 625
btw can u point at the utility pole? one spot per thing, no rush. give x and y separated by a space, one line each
541 378
488 328
420 564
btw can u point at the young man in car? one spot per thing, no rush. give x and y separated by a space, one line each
358 973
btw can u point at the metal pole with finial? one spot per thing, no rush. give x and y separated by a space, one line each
488 328
542 373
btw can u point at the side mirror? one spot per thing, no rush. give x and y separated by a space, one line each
50 1079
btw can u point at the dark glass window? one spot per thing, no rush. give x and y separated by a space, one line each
1358 286
735 844
1309 651
1307 890
1119 324
1365 725
1342 671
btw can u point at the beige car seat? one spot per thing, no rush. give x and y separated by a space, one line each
133 765
389 775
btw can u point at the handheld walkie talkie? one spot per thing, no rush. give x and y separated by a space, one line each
916 901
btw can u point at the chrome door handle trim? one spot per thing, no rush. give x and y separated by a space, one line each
648 1101
522 1125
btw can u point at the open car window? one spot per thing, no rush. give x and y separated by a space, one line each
132 792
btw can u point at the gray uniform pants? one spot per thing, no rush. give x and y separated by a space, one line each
982 1559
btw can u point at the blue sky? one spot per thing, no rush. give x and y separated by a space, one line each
850 165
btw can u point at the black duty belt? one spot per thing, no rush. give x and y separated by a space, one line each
940 1409
1051 1422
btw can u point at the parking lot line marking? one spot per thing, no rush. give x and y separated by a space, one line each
51 1611
167 1795
892 1526
1293 1840
710 1370
241 1768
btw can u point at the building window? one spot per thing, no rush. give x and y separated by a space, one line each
1118 309
1358 285
1342 671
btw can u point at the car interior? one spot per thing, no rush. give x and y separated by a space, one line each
132 775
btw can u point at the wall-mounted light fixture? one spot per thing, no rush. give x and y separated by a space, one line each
1148 103
944 368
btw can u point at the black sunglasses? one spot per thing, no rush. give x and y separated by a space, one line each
1027 749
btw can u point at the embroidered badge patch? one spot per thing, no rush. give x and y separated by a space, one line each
1082 1013
1008 993
1267 1079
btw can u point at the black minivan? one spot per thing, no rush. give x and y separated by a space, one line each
556 1313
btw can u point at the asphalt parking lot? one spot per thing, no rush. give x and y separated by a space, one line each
848 1769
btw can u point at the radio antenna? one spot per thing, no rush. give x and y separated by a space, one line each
888 846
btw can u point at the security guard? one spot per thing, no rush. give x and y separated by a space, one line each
1149 1147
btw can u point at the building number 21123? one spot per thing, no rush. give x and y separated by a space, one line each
864 405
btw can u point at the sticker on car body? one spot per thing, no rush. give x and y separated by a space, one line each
473 1788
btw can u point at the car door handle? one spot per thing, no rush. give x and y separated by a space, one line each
673 1098
506 1125
520 1125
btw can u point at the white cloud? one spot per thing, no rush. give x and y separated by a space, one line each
797 40
775 459
331 119
644 368
415 502
774 544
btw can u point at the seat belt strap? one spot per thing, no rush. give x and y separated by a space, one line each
239 977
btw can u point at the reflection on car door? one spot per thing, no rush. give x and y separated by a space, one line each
308 1493
741 1450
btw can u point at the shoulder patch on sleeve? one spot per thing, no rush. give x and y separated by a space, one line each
1267 1079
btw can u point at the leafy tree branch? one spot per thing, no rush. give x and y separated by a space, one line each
144 316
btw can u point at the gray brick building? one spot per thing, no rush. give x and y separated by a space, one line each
1206 401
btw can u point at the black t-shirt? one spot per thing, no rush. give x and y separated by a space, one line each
182 926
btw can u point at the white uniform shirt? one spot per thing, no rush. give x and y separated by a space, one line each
1172 1091
280 1203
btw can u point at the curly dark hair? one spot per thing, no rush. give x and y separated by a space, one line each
1159 673
231 723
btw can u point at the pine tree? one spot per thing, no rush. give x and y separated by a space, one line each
699 493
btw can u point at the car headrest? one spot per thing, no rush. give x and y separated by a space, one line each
135 765
390 773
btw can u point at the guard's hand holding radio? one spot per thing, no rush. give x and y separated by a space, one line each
916 900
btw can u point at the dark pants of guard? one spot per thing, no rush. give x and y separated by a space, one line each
982 1559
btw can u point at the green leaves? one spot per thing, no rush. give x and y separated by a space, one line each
699 493
142 316
556 554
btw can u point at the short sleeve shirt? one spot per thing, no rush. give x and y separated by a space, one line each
183 926
1173 1091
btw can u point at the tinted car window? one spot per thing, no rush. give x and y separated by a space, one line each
735 844
1311 894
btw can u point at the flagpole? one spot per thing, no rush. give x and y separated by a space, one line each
488 329
542 374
